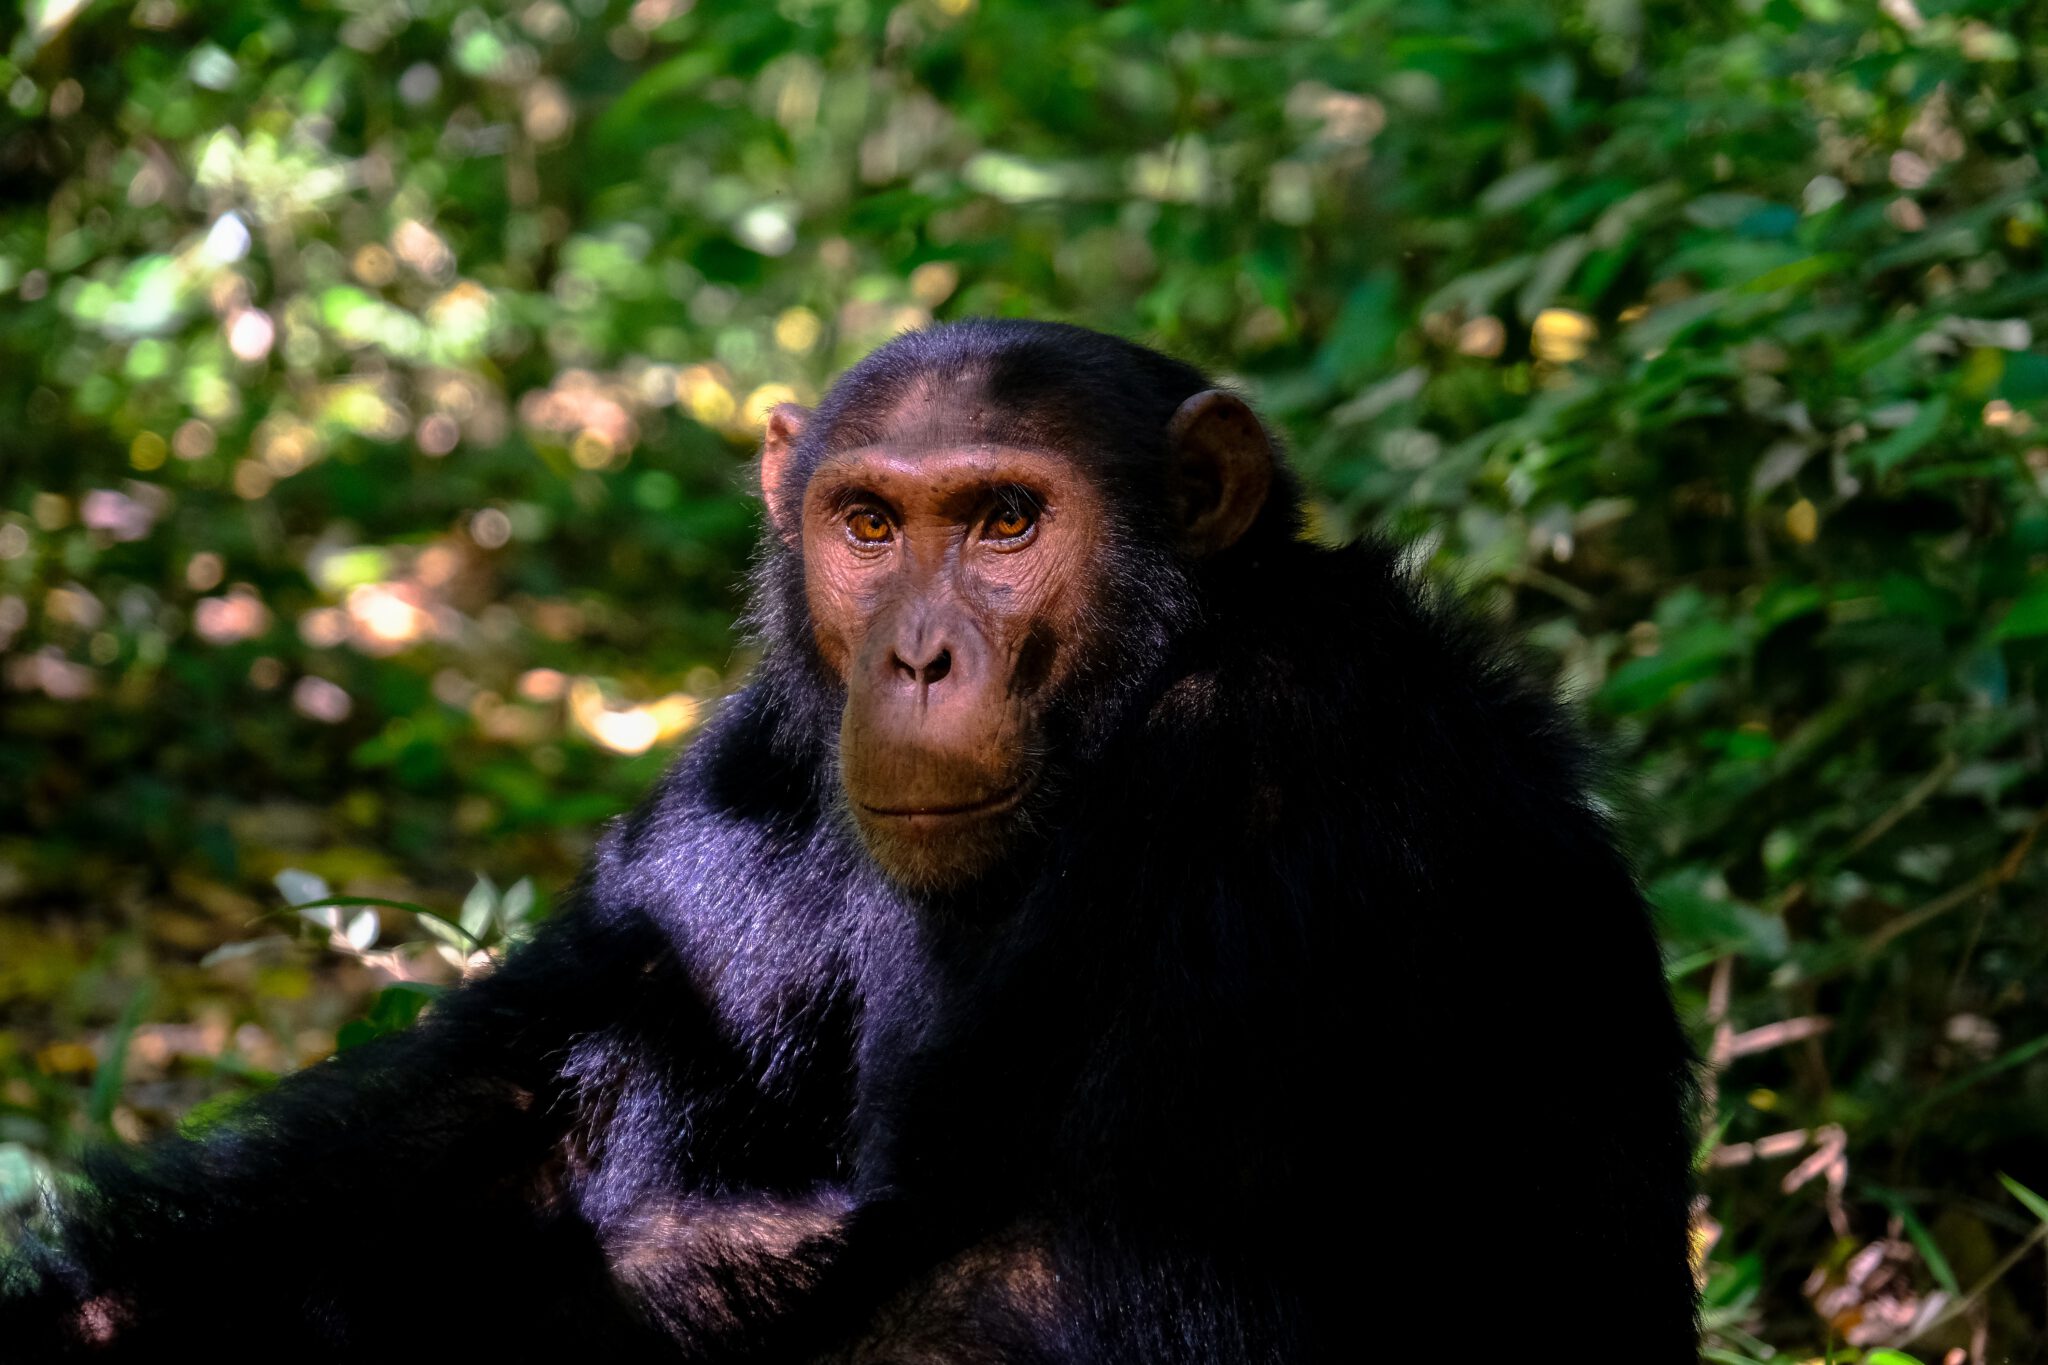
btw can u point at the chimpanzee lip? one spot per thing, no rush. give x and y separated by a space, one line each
987 805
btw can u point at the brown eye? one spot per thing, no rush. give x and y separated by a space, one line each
868 527
1009 523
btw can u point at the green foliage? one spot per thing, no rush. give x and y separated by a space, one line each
392 1009
379 379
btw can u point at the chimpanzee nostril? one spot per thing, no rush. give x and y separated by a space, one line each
924 675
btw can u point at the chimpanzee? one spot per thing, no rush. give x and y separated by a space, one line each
1108 928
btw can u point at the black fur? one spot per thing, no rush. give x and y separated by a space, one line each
1319 1017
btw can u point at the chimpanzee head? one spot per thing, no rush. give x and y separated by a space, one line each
994 532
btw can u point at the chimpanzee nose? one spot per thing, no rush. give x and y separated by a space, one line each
930 658
924 664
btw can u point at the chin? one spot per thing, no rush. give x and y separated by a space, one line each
931 853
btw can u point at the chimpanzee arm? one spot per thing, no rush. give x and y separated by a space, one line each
1090 1290
384 1195
555 1157
430 1189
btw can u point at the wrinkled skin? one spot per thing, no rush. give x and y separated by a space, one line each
950 591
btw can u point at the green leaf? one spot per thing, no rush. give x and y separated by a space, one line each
1699 652
301 889
1554 270
479 907
1908 439
362 930
2027 618
1520 186
1363 333
106 1080
1479 290
1689 916
2036 1205
516 904
441 926
394 1009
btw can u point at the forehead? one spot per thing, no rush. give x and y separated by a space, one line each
945 436
957 410
910 471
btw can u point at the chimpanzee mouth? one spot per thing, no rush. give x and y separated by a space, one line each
1002 801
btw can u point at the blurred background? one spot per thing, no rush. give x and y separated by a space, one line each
379 379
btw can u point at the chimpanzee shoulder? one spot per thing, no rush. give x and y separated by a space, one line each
1345 668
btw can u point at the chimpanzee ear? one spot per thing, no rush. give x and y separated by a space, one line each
785 505
1222 470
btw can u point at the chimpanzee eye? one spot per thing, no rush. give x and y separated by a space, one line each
1009 521
868 527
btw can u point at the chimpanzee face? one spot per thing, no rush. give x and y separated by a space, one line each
951 588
